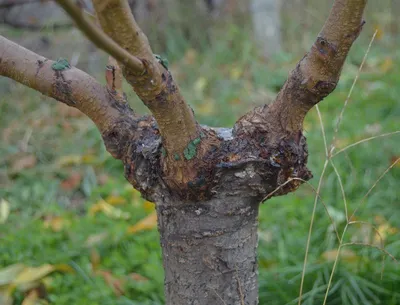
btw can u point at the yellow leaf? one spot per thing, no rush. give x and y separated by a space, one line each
33 274
115 200
8 274
4 210
108 210
146 223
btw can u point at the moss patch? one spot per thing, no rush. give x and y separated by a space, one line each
191 149
61 64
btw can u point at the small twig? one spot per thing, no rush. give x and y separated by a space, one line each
363 141
99 38
371 246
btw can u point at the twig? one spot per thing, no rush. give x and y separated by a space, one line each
99 38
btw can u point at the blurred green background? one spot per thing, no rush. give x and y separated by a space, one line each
73 231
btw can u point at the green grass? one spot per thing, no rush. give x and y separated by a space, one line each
228 76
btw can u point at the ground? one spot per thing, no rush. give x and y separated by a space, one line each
70 207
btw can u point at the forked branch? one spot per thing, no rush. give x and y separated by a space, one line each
156 88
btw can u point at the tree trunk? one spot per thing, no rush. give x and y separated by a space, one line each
209 251
206 182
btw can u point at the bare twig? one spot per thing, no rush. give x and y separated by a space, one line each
363 141
99 38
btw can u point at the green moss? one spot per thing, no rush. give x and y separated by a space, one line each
61 64
163 152
191 149
176 157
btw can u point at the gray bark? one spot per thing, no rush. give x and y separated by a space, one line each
209 251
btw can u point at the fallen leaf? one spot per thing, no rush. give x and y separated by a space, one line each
9 273
137 277
4 210
32 274
72 182
109 210
115 283
95 239
25 162
146 223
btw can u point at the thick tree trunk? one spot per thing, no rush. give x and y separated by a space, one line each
209 251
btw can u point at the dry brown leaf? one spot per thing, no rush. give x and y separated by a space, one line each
137 277
115 283
72 182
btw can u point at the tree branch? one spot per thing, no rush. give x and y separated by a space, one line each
67 85
315 76
100 39
158 91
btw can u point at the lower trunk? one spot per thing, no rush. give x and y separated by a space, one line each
210 251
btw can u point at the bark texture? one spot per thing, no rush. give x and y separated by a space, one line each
209 251
206 182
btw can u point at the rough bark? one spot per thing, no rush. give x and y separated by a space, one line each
206 182
209 251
